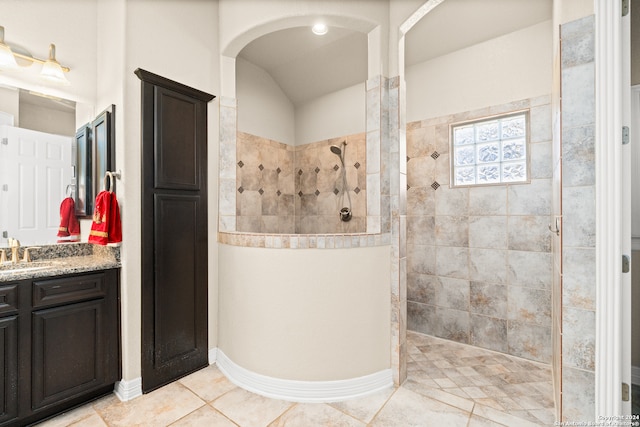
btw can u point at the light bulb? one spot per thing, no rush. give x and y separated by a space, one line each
51 69
7 60
320 29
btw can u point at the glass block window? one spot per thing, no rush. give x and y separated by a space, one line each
490 151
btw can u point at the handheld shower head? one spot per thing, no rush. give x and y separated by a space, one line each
336 150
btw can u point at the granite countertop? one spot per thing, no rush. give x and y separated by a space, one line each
57 260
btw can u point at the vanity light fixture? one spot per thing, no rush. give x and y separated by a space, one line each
320 29
7 60
52 71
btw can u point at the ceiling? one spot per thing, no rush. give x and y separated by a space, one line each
306 66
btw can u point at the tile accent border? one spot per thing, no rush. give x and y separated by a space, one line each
304 241
303 391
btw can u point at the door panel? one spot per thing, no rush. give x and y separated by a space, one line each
174 233
36 167
176 333
55 349
9 375
176 144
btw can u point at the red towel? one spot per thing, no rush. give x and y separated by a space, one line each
106 226
69 228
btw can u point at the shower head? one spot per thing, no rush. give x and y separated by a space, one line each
336 150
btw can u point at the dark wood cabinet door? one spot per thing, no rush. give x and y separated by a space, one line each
9 371
174 230
59 344
68 336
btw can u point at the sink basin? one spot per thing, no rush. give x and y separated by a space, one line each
8 268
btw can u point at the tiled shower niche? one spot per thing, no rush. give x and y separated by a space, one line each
298 189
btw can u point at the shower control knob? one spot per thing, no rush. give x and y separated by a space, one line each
345 214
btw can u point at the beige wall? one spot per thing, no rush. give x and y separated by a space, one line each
570 10
263 109
306 314
246 20
447 84
108 41
342 112
71 25
186 29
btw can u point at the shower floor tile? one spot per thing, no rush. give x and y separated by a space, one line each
472 387
500 382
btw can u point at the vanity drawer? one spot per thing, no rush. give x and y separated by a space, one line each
8 298
68 289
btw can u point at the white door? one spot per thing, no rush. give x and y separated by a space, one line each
35 172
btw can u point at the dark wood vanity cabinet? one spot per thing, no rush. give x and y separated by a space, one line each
59 344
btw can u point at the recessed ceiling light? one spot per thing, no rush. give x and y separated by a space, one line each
320 29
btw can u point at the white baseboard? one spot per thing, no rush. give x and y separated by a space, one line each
213 355
127 390
635 375
303 391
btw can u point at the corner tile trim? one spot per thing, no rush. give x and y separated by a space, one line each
303 391
304 241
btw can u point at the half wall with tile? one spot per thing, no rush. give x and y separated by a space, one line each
479 266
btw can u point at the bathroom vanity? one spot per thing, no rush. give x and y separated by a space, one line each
59 335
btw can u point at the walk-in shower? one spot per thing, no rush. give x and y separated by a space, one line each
345 212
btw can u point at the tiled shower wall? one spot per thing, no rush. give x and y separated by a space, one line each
479 259
578 220
286 189
265 187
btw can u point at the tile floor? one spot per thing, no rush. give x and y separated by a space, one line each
449 384
635 399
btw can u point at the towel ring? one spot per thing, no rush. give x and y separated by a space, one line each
69 190
112 176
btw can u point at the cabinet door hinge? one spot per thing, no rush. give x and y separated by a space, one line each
625 7
5 234
626 263
625 135
5 141
5 187
625 392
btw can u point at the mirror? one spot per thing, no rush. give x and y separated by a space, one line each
31 196
95 155
104 132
